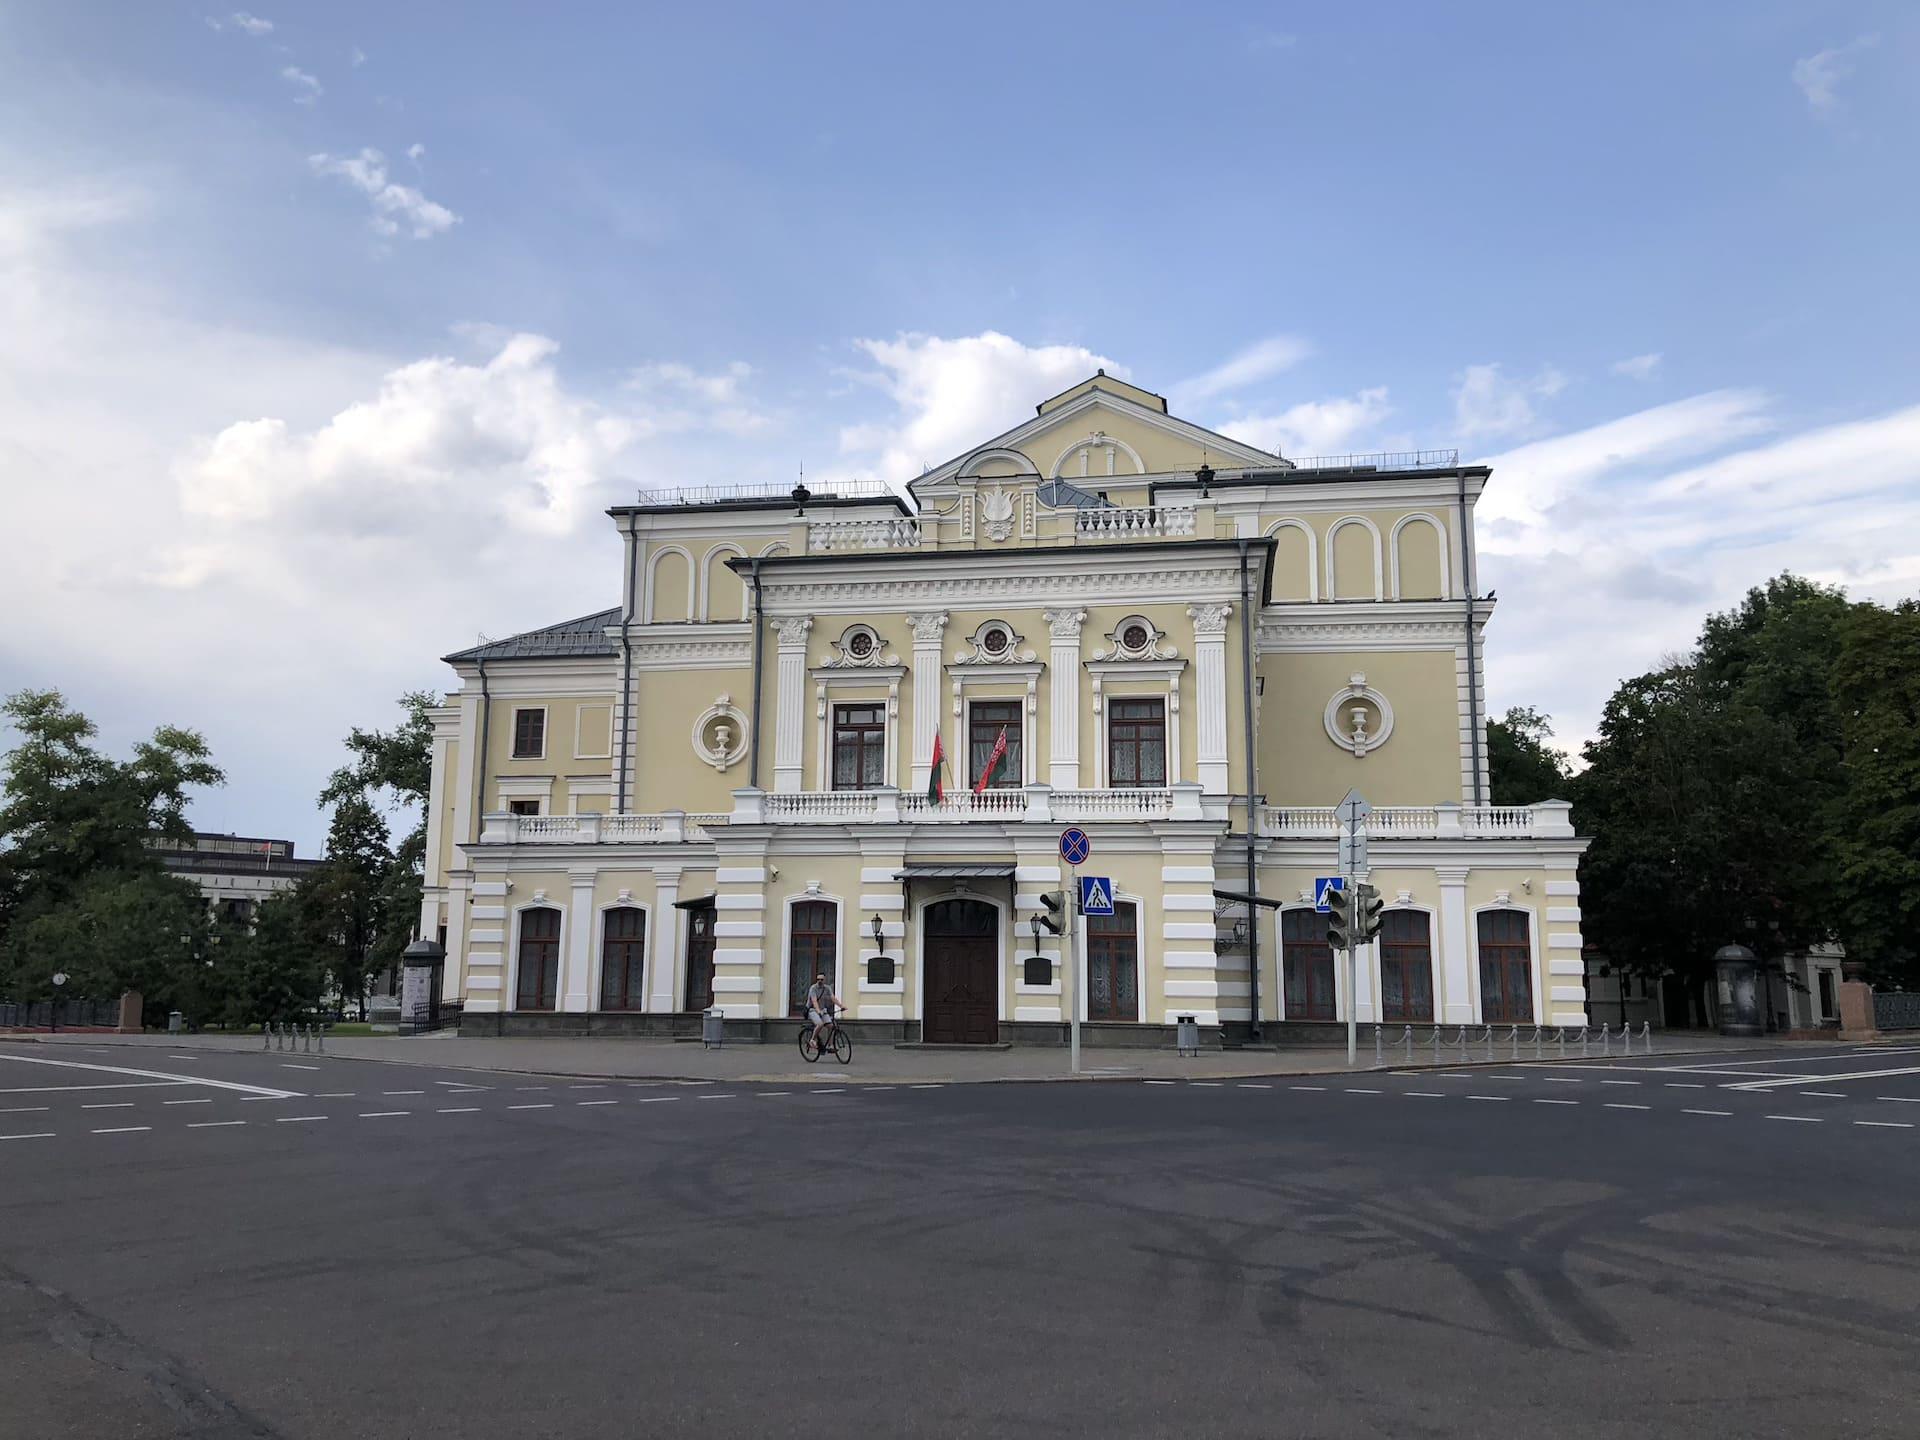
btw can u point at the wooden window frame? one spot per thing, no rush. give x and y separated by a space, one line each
519 713
1307 951
551 973
1511 957
1401 952
630 953
1136 742
872 739
1103 943
811 943
1012 772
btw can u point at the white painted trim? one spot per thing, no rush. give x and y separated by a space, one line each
1378 946
717 557
511 960
1313 555
970 465
513 732
1379 573
1087 447
653 564
1001 931
579 716
1440 544
596 968
805 897
1539 979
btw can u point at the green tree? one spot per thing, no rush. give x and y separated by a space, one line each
276 969
348 895
1521 766
1876 689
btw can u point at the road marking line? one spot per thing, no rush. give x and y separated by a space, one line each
546 1106
459 1110
596 1102
533 1087
1611 1105
260 1090
1706 1112
647 1100
1799 1119
586 1087
1356 1090
939 1085
1619 1082
817 1092
337 1094
62 1089
1900 1099
40 1135
1564 1079
1241 1087
382 1114
403 1092
1887 1124
1829 1079
186 1102
183 1057
212 1124
729 1097
29 1109
876 1089
124 1130
461 1085
1489 1097
109 1105
769 1094
1205 1084
1538 1101
295 1119
289 1065
1158 1082
1685 1085
1427 1094
1306 1087
1827 1094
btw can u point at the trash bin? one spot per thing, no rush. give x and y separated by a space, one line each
713 1027
174 1022
1187 1036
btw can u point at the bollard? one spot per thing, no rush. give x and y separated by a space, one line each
1513 1042
1646 1035
1489 1040
1407 1041
1461 1040
1560 1041
321 1045
1606 1041
1378 1057
266 1035
1436 1044
275 1027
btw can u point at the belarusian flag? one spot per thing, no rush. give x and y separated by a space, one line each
993 762
936 792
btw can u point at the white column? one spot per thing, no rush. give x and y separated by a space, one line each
790 703
453 979
1063 705
1210 683
664 959
927 699
1456 948
576 977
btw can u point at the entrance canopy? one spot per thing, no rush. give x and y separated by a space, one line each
956 872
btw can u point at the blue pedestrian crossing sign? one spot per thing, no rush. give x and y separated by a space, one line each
1096 895
1322 885
1074 845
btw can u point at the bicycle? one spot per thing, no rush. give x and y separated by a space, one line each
835 1039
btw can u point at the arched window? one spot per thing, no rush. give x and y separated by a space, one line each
811 949
1306 963
539 968
1506 968
1406 967
623 954
1113 964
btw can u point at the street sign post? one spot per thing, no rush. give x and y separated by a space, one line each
1096 895
1353 851
1353 811
1075 847
1322 885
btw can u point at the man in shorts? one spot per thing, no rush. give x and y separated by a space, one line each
821 1005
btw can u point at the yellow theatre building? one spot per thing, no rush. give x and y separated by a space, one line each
708 793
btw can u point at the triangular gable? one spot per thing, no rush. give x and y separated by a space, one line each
1080 409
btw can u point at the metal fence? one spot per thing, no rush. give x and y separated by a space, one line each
45 1014
1896 1010
1508 1042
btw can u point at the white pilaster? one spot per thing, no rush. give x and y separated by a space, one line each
1210 682
664 958
575 981
1063 715
927 628
790 703
1456 948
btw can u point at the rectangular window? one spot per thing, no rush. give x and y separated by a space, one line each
1406 967
985 720
1113 967
623 954
1307 965
859 746
810 950
1506 968
523 807
1136 743
529 734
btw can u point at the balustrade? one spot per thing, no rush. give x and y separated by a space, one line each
1131 522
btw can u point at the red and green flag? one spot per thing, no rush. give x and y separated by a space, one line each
998 754
936 792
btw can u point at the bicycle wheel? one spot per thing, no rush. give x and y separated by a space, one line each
842 1046
809 1045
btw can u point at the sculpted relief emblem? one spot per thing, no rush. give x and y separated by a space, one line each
996 512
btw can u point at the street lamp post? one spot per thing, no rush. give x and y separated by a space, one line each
53 1011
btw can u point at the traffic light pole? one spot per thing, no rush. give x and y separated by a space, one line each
1070 964
1353 978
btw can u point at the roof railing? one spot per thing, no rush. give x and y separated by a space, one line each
767 491
1382 460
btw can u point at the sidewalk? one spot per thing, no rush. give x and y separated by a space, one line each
636 1059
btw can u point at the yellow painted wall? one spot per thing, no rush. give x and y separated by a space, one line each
1418 765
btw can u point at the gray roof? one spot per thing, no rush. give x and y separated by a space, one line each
586 635
1060 495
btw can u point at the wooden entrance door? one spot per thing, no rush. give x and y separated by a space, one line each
539 959
700 957
1306 962
961 940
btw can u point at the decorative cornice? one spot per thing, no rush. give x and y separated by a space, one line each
1098 584
692 654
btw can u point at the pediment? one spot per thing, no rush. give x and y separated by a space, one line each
1095 433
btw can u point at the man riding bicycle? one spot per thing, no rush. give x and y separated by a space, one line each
822 1004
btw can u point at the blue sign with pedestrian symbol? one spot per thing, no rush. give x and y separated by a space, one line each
1096 895
1074 845
1320 888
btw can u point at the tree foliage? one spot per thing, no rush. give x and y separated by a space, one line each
1522 767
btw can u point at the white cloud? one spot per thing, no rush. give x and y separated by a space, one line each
394 204
1488 402
357 58
1819 75
307 89
1637 367
416 152
240 20
1314 427
952 394
678 397
1259 361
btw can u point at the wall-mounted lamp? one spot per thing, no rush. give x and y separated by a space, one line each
880 967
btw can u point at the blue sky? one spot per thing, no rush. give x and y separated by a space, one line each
326 331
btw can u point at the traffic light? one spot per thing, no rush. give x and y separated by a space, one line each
1366 914
1056 911
1340 919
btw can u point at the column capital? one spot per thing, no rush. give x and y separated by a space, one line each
1210 620
1451 874
926 626
791 630
1064 624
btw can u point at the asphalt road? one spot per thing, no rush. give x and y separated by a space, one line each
1685 1246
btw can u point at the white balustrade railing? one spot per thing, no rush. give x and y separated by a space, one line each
1548 819
1001 804
1130 803
1130 522
897 532
670 827
821 806
631 829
